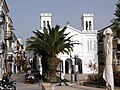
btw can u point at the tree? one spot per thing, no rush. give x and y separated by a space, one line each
116 21
48 43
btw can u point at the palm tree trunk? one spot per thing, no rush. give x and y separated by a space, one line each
49 68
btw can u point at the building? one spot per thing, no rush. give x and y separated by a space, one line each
9 61
8 42
3 48
20 58
116 49
84 56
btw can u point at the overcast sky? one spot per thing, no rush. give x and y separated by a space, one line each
25 14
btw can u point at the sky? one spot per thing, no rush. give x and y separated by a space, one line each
25 14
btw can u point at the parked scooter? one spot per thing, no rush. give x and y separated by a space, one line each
5 84
1 88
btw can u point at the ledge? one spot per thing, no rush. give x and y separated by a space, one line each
46 86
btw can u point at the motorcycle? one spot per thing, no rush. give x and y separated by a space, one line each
7 85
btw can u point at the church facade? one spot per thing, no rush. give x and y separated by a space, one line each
83 59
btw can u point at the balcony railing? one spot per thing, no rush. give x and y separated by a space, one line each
2 46
2 17
100 52
118 40
9 58
100 41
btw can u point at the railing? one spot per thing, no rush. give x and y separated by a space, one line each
100 41
9 58
2 46
100 52
2 17
118 40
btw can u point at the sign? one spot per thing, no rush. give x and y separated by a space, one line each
76 68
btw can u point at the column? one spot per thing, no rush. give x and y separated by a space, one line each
64 66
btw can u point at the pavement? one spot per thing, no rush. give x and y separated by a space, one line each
75 87
21 85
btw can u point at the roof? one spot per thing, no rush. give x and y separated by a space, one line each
110 26
72 28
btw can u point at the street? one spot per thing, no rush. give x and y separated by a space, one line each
21 85
19 78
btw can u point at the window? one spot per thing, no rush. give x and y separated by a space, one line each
86 25
118 47
48 23
89 44
44 24
89 25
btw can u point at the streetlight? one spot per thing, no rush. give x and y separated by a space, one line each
74 69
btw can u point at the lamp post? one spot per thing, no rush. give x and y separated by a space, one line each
74 69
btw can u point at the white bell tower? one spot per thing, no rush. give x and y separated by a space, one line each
45 19
87 23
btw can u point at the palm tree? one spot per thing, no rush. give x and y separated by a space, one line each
116 20
48 43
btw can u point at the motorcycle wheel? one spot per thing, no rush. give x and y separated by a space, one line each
12 87
2 88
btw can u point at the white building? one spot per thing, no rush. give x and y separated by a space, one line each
3 15
84 54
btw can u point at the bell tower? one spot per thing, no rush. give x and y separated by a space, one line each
45 19
87 22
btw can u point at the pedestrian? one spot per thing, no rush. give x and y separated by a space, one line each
62 79
29 72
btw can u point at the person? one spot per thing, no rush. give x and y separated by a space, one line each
5 77
29 72
62 80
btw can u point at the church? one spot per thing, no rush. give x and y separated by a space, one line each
83 59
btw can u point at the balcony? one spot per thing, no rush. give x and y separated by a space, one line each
8 35
2 17
2 46
118 40
118 52
9 58
100 41
100 52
